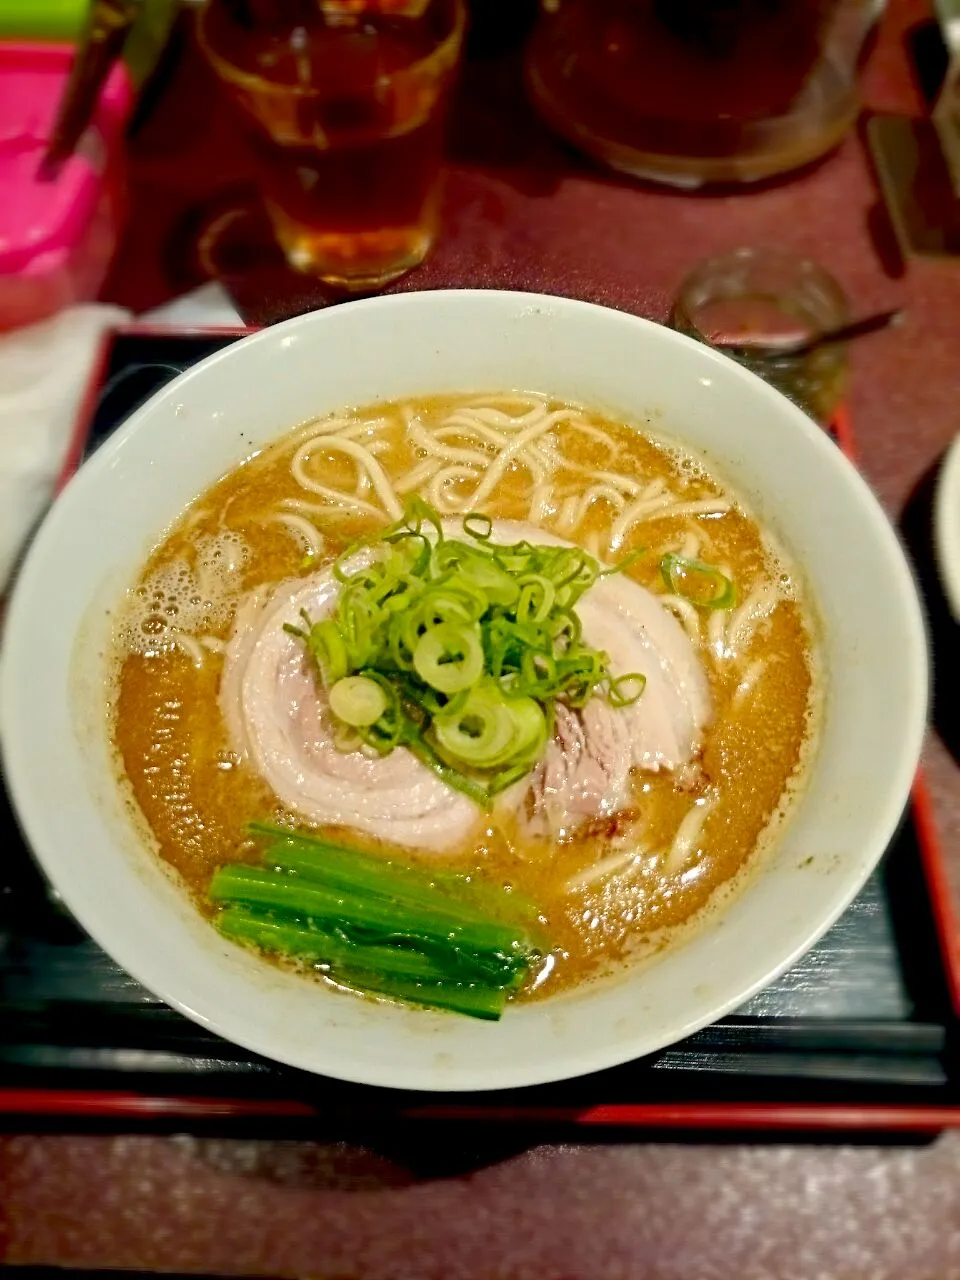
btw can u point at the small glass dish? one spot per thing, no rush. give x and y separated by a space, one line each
762 298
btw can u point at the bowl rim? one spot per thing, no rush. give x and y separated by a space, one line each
947 525
884 823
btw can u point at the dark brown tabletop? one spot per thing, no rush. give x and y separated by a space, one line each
521 212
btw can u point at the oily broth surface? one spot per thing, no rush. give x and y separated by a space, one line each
197 798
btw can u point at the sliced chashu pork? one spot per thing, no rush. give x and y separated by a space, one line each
587 767
278 719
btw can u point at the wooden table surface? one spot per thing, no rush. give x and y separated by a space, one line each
521 212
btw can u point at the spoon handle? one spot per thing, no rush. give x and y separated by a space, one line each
829 337
846 332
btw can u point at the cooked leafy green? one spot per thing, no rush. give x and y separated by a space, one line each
376 924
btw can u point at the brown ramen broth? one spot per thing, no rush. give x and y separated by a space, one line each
611 889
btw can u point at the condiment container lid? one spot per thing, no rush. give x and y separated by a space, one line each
42 218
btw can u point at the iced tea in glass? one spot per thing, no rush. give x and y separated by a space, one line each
345 103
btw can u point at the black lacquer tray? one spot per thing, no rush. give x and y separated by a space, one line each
862 1026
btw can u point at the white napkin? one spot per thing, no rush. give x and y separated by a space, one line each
208 307
44 371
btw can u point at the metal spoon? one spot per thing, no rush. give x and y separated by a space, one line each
802 346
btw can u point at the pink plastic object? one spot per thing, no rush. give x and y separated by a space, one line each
57 234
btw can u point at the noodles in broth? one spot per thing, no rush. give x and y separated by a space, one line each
608 883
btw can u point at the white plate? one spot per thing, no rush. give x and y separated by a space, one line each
95 539
946 522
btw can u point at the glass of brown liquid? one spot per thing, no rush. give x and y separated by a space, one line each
345 103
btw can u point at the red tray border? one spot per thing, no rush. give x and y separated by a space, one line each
79 1104
752 1116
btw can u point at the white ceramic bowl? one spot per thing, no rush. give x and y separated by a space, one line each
947 525
96 536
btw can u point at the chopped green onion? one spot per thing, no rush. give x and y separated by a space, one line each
470 645
701 584
626 690
478 526
625 562
357 701
537 598
449 657
325 646
491 729
393 727
467 784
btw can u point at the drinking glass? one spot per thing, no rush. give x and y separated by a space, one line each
345 103
763 297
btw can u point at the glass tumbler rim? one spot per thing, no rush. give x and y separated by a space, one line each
798 269
445 52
